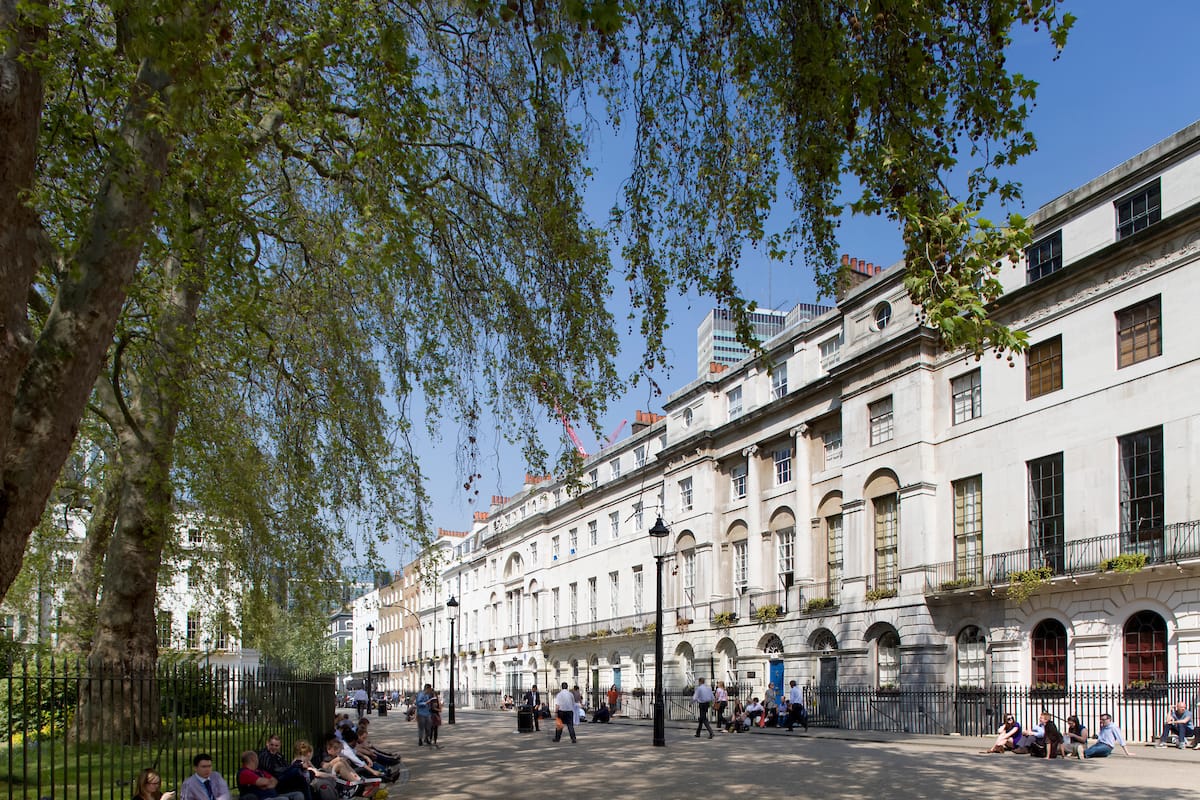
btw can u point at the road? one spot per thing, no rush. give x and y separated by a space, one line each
483 757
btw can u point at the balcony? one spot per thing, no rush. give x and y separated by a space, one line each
815 598
1171 544
768 606
724 612
511 642
632 625
883 584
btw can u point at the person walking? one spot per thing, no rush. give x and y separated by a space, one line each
721 699
564 709
796 711
533 702
424 715
703 696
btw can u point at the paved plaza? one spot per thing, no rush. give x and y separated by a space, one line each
483 757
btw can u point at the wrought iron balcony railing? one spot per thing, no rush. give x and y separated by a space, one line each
1169 544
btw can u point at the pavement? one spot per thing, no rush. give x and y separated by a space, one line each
482 756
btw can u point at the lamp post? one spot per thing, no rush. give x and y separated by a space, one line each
452 615
658 546
370 633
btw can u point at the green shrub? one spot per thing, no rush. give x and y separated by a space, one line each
724 619
1023 584
768 613
1126 562
818 604
881 593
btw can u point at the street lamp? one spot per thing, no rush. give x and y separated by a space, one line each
452 615
370 633
659 547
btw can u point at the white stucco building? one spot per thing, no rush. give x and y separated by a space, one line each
858 514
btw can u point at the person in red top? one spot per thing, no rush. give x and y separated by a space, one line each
255 781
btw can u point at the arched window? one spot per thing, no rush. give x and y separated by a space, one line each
1145 648
971 658
1050 653
888 661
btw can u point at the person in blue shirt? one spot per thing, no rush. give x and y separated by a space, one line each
425 715
1179 722
1108 737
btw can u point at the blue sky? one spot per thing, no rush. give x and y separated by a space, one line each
1126 80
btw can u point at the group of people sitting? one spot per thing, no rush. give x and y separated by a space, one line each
1045 740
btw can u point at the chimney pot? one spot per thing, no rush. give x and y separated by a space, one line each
845 259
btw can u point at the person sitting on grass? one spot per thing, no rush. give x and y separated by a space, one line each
354 784
149 787
204 783
258 782
290 777
368 751
350 753
322 783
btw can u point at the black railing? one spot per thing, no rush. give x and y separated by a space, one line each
1139 713
512 641
631 625
724 611
1176 542
817 597
884 581
768 601
77 733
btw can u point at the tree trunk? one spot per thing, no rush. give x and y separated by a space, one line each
78 624
44 386
126 639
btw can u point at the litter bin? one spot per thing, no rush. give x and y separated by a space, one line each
382 705
524 720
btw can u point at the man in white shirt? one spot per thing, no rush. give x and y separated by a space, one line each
754 710
204 784
703 697
796 708
361 701
564 709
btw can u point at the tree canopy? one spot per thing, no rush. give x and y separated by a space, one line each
309 214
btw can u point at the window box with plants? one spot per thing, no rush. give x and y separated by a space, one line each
724 619
1023 584
1048 689
768 613
1145 688
965 582
881 593
639 692
818 604
1126 562
888 690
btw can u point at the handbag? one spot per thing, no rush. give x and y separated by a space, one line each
558 724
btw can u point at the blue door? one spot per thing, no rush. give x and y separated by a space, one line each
777 679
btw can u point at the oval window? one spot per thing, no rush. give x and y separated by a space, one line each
883 315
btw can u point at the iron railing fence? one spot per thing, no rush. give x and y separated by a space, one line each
768 602
1138 712
629 625
79 733
1160 545
949 710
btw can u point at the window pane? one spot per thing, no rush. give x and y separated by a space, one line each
1043 368
1138 332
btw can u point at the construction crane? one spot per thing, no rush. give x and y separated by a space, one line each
574 437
